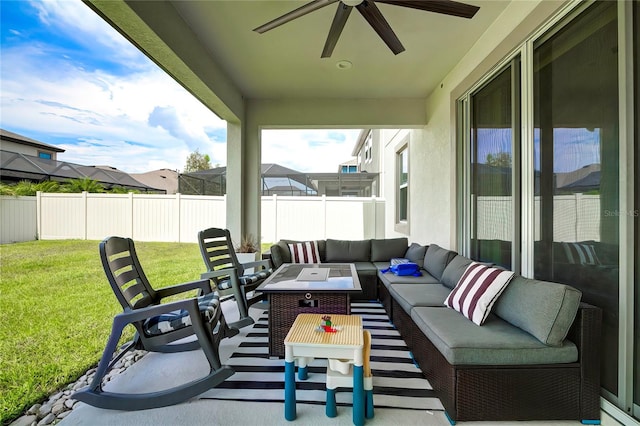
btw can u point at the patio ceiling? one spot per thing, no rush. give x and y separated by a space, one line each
237 63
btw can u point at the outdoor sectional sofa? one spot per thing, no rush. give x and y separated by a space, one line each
536 357
368 256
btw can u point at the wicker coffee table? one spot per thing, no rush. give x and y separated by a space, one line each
299 288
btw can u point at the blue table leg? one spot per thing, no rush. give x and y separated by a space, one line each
331 409
358 395
368 405
303 373
289 390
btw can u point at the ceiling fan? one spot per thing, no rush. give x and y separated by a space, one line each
372 14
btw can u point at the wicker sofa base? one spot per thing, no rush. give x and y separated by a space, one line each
506 392
385 298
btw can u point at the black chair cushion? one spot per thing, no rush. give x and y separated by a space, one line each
171 321
245 279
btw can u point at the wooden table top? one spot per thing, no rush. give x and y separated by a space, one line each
303 331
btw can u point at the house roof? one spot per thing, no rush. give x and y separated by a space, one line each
17 166
166 179
14 137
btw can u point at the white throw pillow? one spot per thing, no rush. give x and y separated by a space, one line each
477 290
305 252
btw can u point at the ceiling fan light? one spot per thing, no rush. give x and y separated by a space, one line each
352 3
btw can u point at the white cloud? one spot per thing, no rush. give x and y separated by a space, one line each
110 114
132 116
79 23
314 150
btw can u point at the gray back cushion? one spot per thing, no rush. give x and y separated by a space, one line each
348 251
454 270
415 253
280 253
543 309
383 250
437 259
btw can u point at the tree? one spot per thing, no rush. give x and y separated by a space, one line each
197 161
82 185
501 159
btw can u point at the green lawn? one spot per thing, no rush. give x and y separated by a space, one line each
57 307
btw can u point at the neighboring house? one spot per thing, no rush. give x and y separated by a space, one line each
350 166
23 158
23 145
355 177
368 158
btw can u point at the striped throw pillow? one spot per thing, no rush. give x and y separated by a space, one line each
305 252
581 254
477 290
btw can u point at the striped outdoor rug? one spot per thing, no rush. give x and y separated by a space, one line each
397 382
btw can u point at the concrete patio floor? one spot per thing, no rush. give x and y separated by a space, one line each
169 369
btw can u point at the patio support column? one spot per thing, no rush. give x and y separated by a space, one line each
243 181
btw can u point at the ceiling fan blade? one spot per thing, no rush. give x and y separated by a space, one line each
294 14
447 7
374 17
340 18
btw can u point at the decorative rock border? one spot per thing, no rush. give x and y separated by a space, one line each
59 406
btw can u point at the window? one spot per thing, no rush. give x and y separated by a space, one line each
349 169
45 155
402 202
368 147
494 118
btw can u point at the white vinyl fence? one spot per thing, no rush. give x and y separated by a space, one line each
17 219
153 217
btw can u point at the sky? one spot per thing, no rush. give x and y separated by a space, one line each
70 80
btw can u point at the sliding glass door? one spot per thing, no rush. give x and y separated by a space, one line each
576 163
550 158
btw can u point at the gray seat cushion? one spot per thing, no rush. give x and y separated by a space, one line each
410 295
387 249
454 270
381 265
496 342
388 278
437 259
365 268
544 309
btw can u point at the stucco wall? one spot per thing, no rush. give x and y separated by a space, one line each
26 149
432 162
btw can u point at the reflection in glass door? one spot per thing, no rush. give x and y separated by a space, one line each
576 162
494 135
